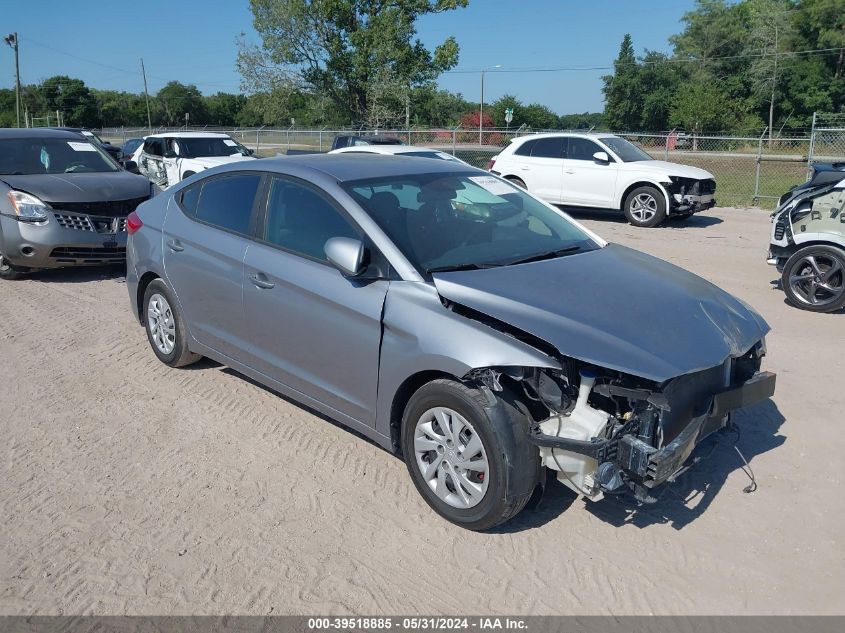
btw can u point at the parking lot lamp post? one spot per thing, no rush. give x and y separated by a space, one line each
481 109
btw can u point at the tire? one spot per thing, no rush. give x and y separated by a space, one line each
188 174
814 278
10 272
519 182
165 326
645 207
496 481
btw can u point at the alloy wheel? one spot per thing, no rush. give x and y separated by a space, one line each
161 324
643 207
450 457
817 280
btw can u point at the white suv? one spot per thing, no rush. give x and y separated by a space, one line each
168 158
605 171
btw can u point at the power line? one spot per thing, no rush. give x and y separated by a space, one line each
672 60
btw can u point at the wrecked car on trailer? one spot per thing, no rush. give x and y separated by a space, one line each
451 317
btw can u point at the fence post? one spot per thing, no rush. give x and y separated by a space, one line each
666 144
812 148
455 140
756 197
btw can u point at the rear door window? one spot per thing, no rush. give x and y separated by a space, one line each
227 202
554 147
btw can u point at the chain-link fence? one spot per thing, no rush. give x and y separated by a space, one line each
748 170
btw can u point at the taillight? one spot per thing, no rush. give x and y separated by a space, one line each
133 223
491 164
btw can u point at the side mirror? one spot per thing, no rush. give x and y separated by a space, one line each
169 154
346 254
250 151
131 166
601 157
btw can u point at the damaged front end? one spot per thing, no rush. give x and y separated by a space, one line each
690 195
606 432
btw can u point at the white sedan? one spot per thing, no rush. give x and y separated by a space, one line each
397 150
605 171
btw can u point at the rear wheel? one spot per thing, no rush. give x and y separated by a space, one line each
814 278
473 466
517 181
9 271
165 326
645 206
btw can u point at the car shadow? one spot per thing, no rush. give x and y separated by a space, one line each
683 501
697 221
82 274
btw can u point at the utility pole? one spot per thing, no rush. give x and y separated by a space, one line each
147 95
481 108
12 40
774 87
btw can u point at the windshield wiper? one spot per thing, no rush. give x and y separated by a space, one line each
457 267
547 255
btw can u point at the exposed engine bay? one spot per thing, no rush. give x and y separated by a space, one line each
607 432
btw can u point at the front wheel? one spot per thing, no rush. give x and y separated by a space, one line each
814 278
9 271
165 326
473 467
645 207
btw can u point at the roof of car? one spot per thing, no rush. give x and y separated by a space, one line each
189 135
522 139
37 132
348 166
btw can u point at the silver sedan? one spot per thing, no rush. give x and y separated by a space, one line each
448 315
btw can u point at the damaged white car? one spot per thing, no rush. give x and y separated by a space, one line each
170 158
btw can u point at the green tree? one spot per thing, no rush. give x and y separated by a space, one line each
659 83
224 108
175 100
583 121
498 107
344 49
73 98
623 100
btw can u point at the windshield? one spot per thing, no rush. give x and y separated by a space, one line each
205 147
459 221
26 156
90 134
625 150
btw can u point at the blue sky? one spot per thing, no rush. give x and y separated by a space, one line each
193 41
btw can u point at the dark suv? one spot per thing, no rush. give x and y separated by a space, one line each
63 202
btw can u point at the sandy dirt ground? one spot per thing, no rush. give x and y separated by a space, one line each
127 487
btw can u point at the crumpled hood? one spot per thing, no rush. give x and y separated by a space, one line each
81 187
214 161
616 308
671 169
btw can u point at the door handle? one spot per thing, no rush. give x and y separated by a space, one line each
569 171
259 280
175 246
525 168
